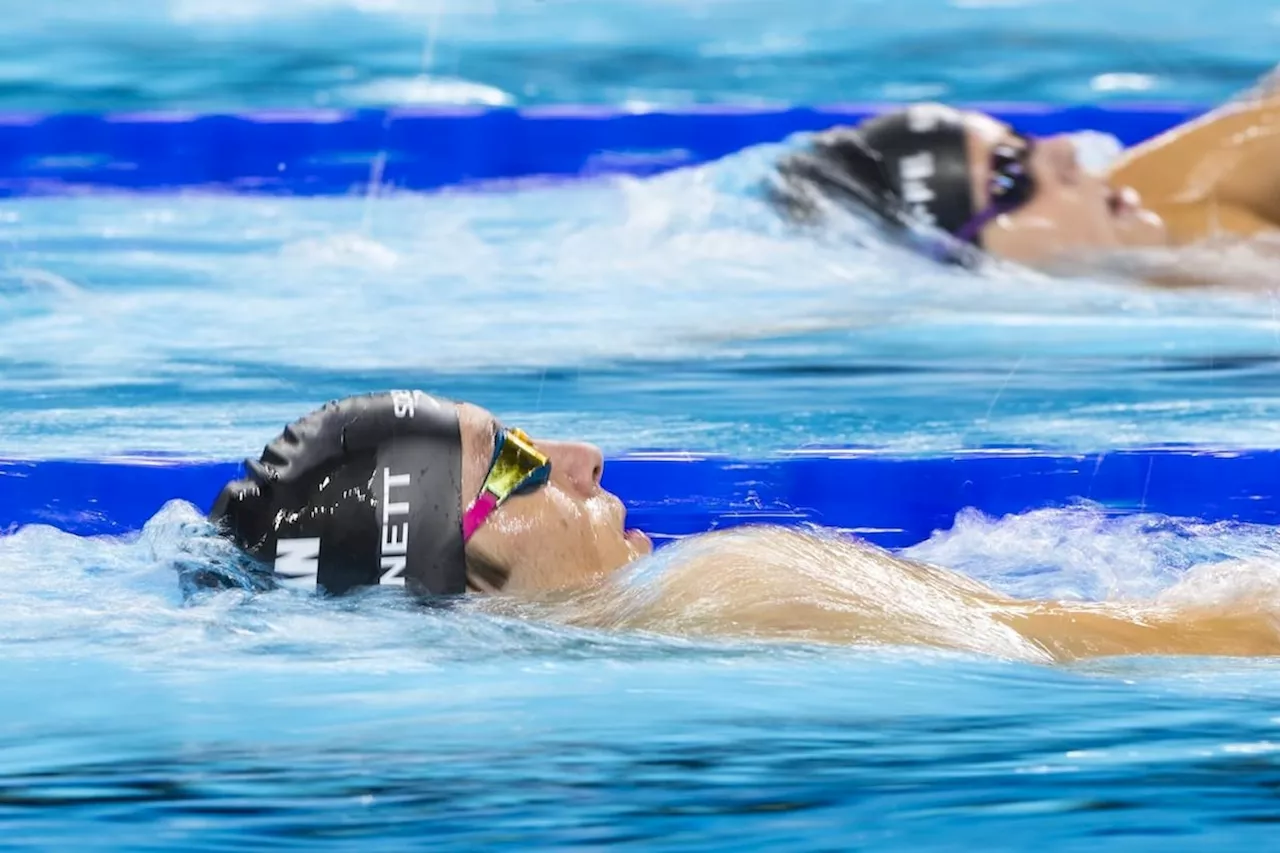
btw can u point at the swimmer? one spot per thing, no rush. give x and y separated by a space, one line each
1029 200
406 489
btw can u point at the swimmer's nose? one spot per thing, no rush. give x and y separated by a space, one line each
1062 158
581 464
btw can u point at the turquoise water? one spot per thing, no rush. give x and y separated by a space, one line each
133 721
672 312
200 54
668 313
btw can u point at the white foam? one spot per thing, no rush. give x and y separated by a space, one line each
425 89
1086 553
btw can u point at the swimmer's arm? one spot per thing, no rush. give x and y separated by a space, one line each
1070 632
782 584
1215 609
1221 170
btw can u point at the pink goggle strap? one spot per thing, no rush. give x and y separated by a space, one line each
481 508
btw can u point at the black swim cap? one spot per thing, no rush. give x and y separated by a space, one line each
907 166
365 491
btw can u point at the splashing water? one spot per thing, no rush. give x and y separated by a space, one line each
664 312
242 720
673 312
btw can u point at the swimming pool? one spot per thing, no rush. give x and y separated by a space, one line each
132 721
667 312
661 313
199 325
202 55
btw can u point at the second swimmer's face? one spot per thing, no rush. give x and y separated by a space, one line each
1070 214
569 532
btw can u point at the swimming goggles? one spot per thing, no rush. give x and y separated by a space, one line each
1010 186
517 468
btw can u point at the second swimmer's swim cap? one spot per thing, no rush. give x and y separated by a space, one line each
910 164
366 491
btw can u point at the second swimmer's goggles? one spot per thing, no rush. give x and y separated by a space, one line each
1010 186
517 468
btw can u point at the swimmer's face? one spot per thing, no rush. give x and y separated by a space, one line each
570 532
1071 214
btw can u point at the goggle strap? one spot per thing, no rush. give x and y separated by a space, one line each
479 510
972 229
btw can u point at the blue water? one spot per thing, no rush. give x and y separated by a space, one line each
135 721
200 54
670 312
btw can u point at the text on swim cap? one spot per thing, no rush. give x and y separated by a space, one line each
404 402
297 562
915 172
395 537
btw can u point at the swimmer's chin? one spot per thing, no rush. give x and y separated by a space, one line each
641 544
1136 227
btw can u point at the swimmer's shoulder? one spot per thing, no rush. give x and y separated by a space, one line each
1215 174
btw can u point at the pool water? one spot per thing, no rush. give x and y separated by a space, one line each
77 55
136 721
672 312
